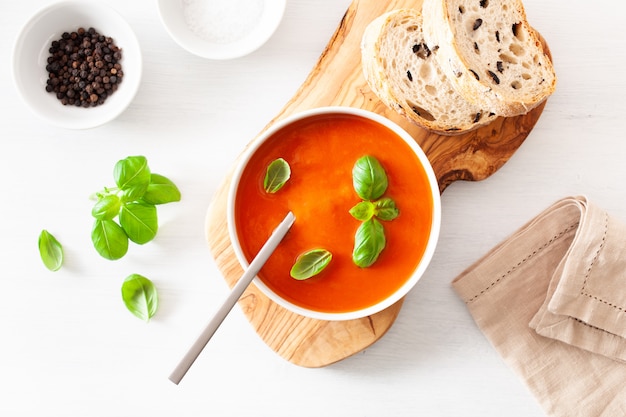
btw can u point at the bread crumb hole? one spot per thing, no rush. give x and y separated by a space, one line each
508 58
516 85
519 34
526 76
432 90
517 50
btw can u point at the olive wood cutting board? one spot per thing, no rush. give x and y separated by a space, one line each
337 80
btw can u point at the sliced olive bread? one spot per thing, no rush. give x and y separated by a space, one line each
490 53
400 68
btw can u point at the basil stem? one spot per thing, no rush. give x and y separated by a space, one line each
369 242
50 250
310 264
277 174
369 178
140 296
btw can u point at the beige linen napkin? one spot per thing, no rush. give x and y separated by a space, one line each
551 299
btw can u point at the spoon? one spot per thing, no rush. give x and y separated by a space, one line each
255 266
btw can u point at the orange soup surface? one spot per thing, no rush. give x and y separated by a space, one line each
321 152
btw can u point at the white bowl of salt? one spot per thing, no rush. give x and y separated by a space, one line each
221 29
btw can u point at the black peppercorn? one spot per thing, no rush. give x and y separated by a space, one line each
83 68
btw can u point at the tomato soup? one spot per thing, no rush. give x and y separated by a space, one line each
321 152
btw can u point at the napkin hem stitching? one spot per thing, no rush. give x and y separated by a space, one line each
524 260
591 326
583 290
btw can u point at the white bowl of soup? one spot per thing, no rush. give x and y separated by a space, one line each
367 208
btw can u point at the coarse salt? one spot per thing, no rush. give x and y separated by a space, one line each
222 21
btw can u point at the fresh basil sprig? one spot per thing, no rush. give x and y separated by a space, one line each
133 204
50 250
277 174
370 183
310 264
384 209
140 296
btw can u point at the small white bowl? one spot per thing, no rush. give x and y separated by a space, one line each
327 114
221 29
31 51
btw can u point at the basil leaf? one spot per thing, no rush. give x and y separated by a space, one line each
50 250
107 207
310 264
277 174
363 211
140 296
139 221
369 242
161 190
109 239
132 176
369 178
386 209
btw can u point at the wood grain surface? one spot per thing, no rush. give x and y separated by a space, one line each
337 79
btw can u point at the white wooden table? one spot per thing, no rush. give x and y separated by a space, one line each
68 346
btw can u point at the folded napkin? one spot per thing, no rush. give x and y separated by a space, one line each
551 299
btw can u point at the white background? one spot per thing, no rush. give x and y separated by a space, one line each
68 346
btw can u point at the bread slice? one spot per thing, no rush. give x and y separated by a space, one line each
490 53
400 68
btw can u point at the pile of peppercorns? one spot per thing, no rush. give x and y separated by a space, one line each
83 68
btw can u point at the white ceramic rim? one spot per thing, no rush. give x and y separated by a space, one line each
435 226
71 117
273 13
